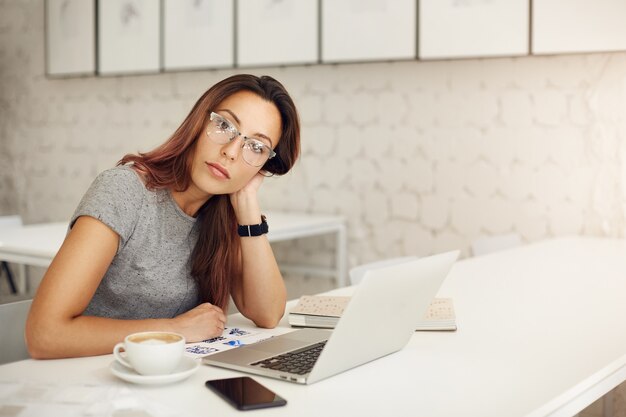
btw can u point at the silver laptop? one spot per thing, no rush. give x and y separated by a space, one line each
388 302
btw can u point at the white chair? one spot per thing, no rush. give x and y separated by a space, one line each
13 318
6 223
10 221
485 245
358 272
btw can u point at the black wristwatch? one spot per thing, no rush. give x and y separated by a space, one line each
248 230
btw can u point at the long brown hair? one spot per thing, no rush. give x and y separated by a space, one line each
215 258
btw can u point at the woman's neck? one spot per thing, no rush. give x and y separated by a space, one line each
190 200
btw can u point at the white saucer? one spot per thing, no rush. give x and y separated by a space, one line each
186 367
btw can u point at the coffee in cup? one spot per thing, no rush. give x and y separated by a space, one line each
151 353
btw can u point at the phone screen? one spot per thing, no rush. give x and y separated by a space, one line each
244 393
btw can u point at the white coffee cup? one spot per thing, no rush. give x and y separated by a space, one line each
151 353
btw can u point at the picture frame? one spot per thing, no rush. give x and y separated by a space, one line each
277 32
198 34
70 37
368 30
583 26
467 29
129 36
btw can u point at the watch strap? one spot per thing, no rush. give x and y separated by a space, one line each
250 230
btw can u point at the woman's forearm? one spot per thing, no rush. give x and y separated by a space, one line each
263 289
261 294
84 335
49 336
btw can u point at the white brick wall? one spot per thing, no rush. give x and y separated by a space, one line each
419 156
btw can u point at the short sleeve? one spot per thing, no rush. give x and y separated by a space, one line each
115 198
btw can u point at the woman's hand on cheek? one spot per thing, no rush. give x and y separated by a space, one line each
245 202
253 185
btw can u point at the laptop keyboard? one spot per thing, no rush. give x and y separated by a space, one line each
299 361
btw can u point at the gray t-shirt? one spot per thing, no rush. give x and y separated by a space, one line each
149 276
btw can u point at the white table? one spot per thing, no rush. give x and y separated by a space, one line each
541 333
37 244
288 225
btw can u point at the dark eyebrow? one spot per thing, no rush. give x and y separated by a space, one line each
232 114
258 134
262 136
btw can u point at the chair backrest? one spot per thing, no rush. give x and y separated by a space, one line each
485 245
9 222
358 272
13 318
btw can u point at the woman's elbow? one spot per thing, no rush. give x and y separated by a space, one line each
266 322
35 350
39 341
269 320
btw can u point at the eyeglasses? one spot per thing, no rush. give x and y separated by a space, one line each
222 131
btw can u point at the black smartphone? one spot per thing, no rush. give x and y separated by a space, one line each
244 393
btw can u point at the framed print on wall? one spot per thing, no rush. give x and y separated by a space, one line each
473 28
70 37
198 34
583 26
277 32
368 30
129 36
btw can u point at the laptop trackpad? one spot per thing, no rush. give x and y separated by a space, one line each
290 341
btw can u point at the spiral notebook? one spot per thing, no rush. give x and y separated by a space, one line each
323 311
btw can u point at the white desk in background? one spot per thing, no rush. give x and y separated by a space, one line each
541 333
36 244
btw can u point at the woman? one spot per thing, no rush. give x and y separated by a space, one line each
164 239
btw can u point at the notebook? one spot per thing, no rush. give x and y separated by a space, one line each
387 298
324 311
